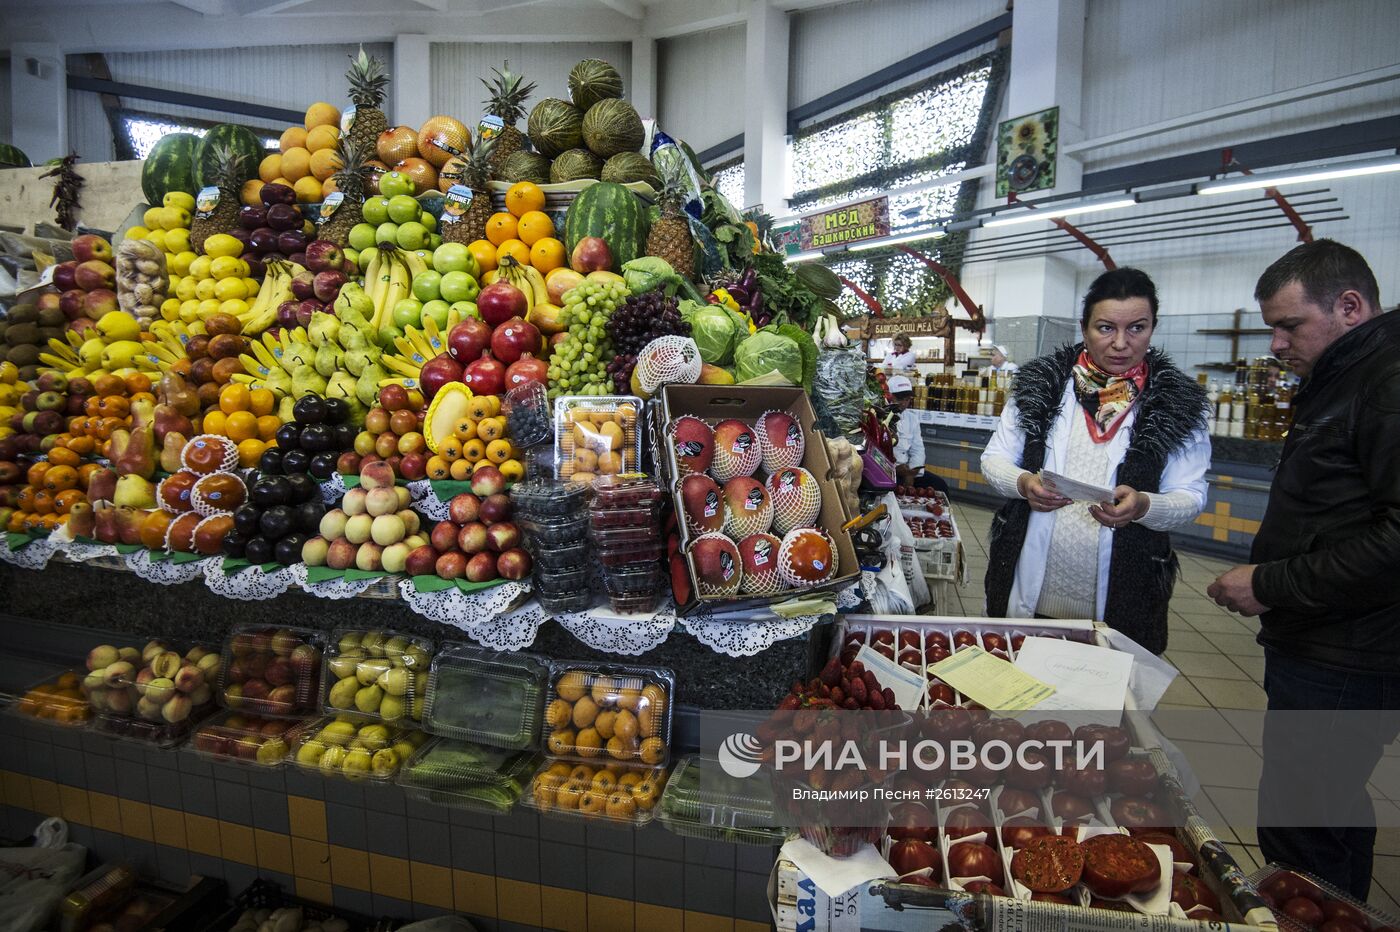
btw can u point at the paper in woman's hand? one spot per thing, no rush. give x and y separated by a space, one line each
1074 490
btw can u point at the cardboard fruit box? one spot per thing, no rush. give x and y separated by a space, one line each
715 403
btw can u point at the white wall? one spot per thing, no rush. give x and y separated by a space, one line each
700 87
458 67
5 126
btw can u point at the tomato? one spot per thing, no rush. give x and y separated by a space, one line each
1071 807
974 859
1013 802
1137 814
1304 910
1017 832
966 820
1115 740
1116 865
1132 777
1038 773
912 820
909 856
1048 730
1085 782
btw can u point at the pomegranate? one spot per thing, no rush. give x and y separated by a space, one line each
514 337
485 376
526 369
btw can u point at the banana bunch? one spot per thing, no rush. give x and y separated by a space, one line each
91 353
389 280
276 288
524 277
415 348
10 390
169 339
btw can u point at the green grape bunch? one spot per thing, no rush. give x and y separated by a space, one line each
579 363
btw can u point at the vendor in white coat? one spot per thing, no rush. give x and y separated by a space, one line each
1114 413
901 354
1001 365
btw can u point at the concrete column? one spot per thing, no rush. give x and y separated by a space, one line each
644 76
412 64
39 100
1047 69
765 114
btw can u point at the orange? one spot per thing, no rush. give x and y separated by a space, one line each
261 401
62 456
535 226
270 168
324 163
500 228
296 163
322 114
484 253
138 382
85 472
214 422
547 254
523 197
292 137
308 189
250 195
234 396
321 138
267 426
241 426
107 385
250 451
515 249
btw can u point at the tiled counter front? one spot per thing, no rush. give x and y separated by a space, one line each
369 849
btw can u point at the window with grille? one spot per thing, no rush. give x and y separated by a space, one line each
728 180
137 132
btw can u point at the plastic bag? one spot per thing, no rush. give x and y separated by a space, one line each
33 881
908 559
838 391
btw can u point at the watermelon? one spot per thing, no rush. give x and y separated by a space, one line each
169 167
12 157
240 139
612 213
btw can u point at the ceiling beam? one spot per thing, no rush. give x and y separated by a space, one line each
267 7
632 9
671 18
203 7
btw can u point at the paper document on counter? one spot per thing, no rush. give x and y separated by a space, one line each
1074 490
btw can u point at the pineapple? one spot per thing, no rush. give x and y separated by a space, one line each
228 177
507 101
367 82
669 237
350 181
476 169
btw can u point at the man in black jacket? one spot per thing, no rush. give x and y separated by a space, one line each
1325 570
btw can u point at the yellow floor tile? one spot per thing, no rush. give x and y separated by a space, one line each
389 876
169 826
658 918
16 789
314 890
432 885
474 893
136 820
202 835
518 901
274 851
707 922
307 817
564 910
609 914
744 925
238 844
75 804
106 812
350 868
46 798
311 859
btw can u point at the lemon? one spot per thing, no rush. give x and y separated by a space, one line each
251 285
199 267
177 240
157 237
234 306
136 232
170 309
225 266
208 306
151 218
174 218
182 261
230 289
187 288
182 199
189 309
221 245
204 288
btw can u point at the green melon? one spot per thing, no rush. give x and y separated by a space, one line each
169 167
592 80
612 213
524 166
612 126
556 126
12 157
627 167
573 165
242 140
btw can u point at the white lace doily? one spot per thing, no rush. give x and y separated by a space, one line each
165 572
249 585
605 630
426 501
32 556
332 490
81 551
462 609
330 588
514 630
753 636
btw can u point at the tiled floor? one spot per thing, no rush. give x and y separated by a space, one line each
1222 668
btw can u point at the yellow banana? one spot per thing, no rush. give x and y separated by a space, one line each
374 285
400 365
253 366
409 383
267 356
539 292
408 350
432 337
420 342
415 263
63 351
398 290
513 272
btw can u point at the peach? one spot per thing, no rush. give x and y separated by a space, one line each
118 673
354 501
188 679
101 656
176 709
377 475
166 664
284 642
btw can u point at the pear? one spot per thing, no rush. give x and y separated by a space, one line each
333 758
323 329
344 663
340 384
311 752
370 669
392 708
338 732
367 386
357 761
349 641
342 694
135 492
395 682
353 305
385 762
170 451
374 736
368 698
307 381
284 407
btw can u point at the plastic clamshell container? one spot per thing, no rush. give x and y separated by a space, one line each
628 554
632 603
464 775
630 490
557 582
606 790
277 659
487 697
639 578
702 801
354 747
526 408
634 705
579 600
639 516
167 694
538 497
625 536
580 425
249 740
376 672
55 700
555 531
1263 877
560 556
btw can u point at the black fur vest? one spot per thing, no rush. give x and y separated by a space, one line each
1143 567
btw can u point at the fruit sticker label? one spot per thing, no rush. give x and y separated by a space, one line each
711 504
329 206
726 565
455 203
787 480
819 565
754 499
689 448
490 126
762 553
794 434
347 119
206 201
743 443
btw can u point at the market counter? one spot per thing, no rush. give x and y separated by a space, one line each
1239 476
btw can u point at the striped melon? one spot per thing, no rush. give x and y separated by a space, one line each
240 139
612 213
12 157
169 167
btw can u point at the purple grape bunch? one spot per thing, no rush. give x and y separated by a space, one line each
641 319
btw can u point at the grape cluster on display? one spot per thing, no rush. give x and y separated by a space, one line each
640 320
579 363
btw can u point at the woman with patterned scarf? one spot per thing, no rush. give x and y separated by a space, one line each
1111 412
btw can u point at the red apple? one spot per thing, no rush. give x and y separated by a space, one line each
413 466
94 274
440 370
63 278
488 481
89 246
472 538
499 301
394 397
466 508
71 303
328 282
443 536
322 256
591 255
513 338
98 303
467 340
494 508
514 563
482 567
421 561
484 376
503 536
451 566
304 285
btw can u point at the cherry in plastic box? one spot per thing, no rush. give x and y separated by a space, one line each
556 530
272 671
236 737
354 748
1286 887
378 673
539 497
558 557
574 600
627 554
561 582
632 490
603 790
625 536
638 516
609 711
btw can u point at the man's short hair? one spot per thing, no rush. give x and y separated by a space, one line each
1325 268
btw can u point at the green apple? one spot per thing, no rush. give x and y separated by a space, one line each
389 333
425 286
362 234
434 240
365 256
412 235
375 210
437 310
429 221
352 256
458 286
392 184
387 233
455 257
465 309
403 208
407 313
